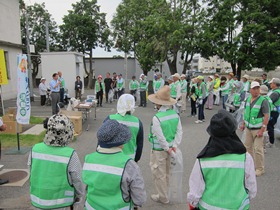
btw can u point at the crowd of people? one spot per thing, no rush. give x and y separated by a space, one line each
111 173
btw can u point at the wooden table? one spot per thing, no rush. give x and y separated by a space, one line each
85 108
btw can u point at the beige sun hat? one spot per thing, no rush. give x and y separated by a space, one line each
246 76
264 89
177 75
162 97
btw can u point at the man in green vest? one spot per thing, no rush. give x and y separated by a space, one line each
217 83
227 88
184 90
176 92
55 169
256 116
274 114
158 82
120 85
62 86
133 86
165 136
125 108
202 98
99 90
223 176
113 179
143 90
265 80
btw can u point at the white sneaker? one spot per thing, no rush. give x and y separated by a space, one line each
198 121
269 145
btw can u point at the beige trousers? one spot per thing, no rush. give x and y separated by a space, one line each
160 165
184 95
254 146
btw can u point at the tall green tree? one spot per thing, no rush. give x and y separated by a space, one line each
37 17
84 29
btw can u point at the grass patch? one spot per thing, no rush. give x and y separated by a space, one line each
10 140
36 120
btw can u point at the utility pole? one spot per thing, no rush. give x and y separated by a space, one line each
47 37
125 65
29 60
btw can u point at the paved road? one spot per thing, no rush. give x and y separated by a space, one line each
194 139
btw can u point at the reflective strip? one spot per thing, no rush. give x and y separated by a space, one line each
43 202
256 107
88 207
129 124
132 156
249 125
53 158
69 193
169 117
244 203
207 206
103 169
222 164
156 145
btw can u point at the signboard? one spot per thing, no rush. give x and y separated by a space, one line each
3 70
23 94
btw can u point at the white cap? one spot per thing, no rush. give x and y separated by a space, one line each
275 80
264 89
176 75
42 79
255 84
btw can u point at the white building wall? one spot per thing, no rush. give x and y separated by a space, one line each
10 41
69 63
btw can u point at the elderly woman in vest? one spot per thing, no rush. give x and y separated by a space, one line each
165 136
223 176
55 169
125 108
113 179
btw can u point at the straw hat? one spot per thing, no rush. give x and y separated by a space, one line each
246 76
177 75
162 97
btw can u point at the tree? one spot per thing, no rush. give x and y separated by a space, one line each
37 17
85 28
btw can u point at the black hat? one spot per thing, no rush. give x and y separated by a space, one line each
222 124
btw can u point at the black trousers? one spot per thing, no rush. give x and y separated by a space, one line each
43 100
107 93
120 92
270 126
61 92
99 97
133 92
143 98
193 107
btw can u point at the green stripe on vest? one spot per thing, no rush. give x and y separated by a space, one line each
49 186
224 177
102 173
133 123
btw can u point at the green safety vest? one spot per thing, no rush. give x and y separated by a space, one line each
97 87
227 91
199 91
251 115
173 91
62 82
276 105
236 99
168 122
224 177
119 85
157 84
246 85
102 173
143 85
133 85
133 123
49 186
184 82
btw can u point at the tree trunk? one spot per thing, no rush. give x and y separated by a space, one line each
145 72
85 66
90 75
172 64
187 62
233 66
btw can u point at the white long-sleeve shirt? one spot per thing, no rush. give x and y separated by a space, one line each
43 89
157 131
197 184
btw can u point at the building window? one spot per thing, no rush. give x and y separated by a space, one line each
7 64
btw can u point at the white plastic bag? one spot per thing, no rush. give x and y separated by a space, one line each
243 137
111 96
176 178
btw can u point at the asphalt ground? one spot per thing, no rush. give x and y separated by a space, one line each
194 139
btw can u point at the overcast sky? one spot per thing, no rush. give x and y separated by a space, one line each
59 8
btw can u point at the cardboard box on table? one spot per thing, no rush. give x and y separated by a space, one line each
76 118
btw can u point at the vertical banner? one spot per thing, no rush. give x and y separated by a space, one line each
3 70
23 94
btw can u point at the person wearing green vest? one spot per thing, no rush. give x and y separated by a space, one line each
256 116
223 176
113 179
143 90
227 88
210 88
274 114
165 136
158 82
133 86
184 90
99 90
265 80
125 108
202 98
120 85
62 86
238 94
246 83
217 83
55 168
176 92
